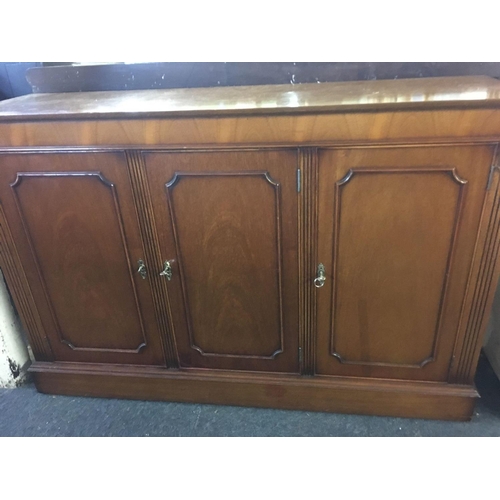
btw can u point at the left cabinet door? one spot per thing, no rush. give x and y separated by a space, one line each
74 224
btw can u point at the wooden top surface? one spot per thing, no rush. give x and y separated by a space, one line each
421 93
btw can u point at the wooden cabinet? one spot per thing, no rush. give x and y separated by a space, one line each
320 247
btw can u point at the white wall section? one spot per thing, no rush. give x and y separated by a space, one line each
14 358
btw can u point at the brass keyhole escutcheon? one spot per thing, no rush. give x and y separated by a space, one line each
167 269
141 269
320 279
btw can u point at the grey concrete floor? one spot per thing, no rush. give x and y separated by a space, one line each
25 412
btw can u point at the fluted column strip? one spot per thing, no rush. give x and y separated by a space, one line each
147 225
308 216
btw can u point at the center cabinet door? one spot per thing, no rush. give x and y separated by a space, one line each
227 222
397 231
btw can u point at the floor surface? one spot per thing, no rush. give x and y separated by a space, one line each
25 412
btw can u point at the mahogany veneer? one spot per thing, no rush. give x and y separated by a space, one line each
166 244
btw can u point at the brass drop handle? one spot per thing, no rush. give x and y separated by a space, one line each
141 269
320 279
167 269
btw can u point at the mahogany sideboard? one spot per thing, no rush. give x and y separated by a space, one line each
329 247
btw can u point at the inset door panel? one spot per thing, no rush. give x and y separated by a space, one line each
228 221
397 228
386 295
82 244
232 255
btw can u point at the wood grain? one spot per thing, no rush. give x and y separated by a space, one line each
242 255
308 235
374 232
481 287
152 252
354 128
399 197
228 221
20 289
71 260
373 95
292 392
396 263
78 240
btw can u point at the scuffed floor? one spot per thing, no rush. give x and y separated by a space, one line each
25 412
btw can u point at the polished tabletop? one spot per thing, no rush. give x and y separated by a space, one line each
418 93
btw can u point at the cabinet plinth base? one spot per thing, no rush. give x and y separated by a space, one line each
293 392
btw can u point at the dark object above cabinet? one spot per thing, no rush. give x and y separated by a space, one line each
324 247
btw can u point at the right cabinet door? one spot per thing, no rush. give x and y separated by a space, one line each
397 229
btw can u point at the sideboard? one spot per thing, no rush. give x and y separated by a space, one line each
326 247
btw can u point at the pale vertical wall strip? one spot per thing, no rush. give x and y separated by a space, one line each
14 358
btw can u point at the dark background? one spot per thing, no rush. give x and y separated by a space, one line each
13 80
19 78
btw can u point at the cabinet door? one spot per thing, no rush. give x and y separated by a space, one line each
74 223
397 229
228 222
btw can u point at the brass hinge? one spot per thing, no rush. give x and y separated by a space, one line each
298 180
300 354
452 362
490 177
